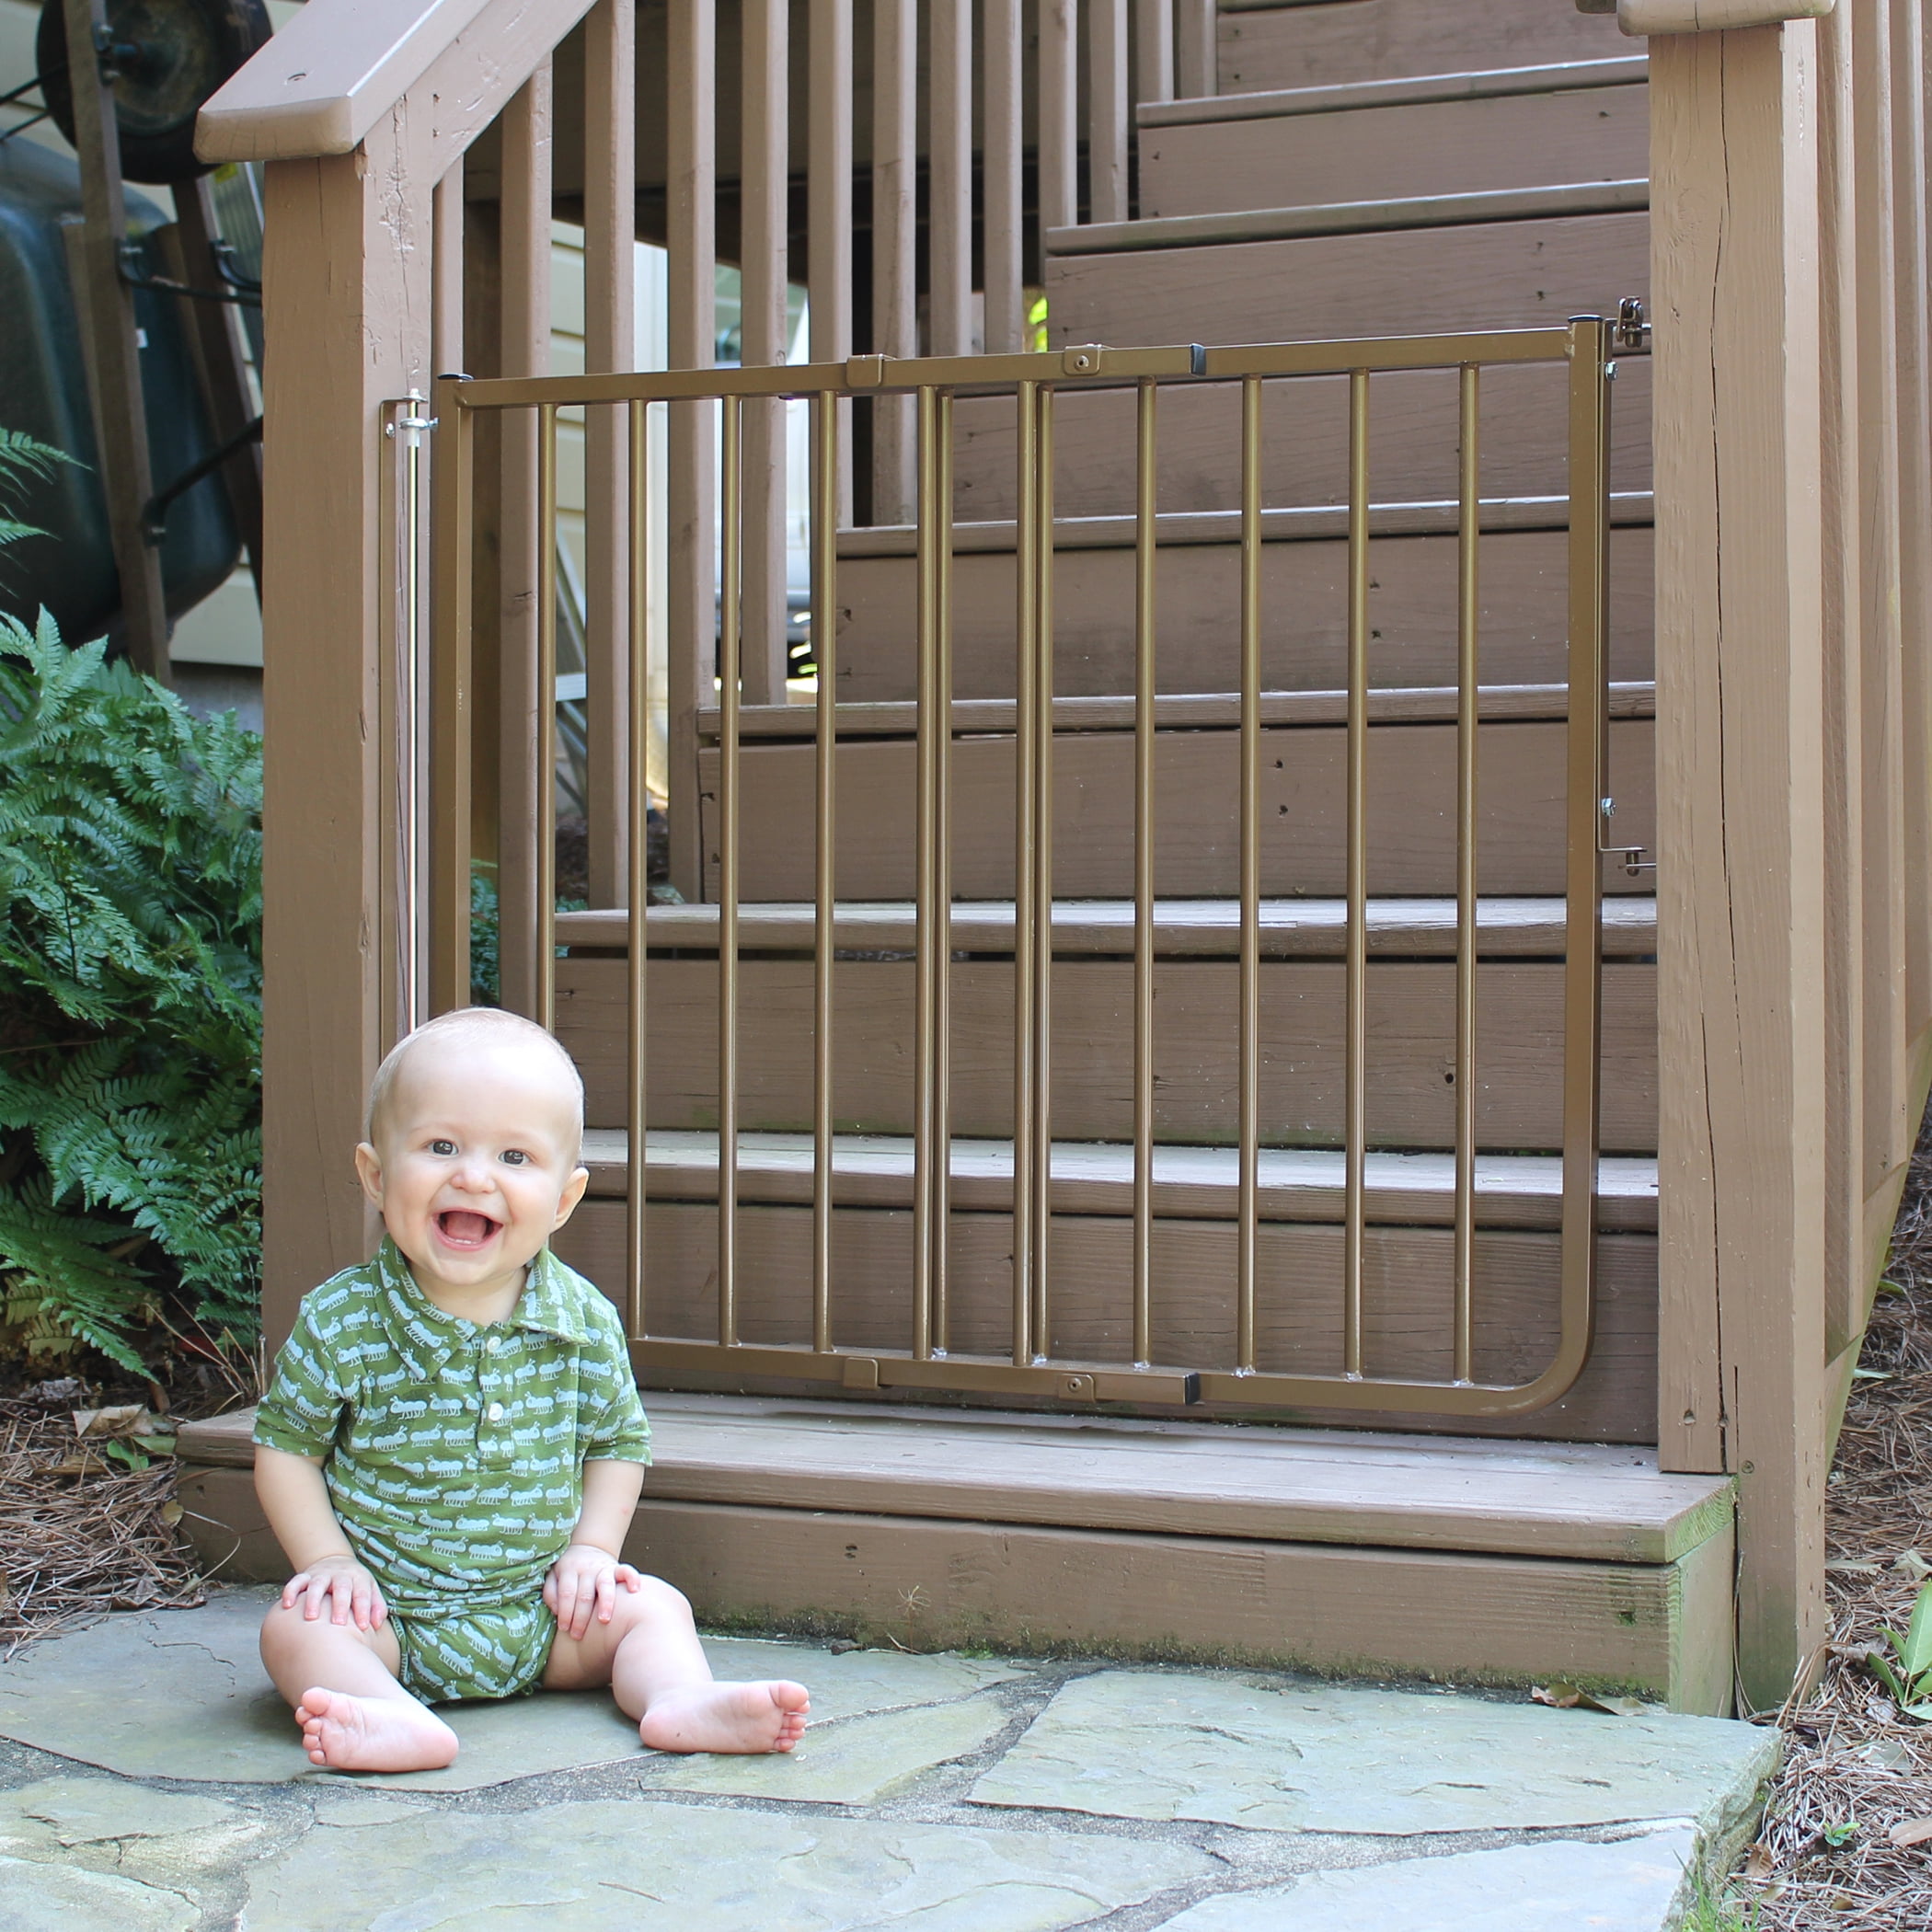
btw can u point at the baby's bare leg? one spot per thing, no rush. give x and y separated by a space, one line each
341 1681
649 1655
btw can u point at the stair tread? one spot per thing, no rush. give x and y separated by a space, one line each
1575 1502
1290 928
1412 91
1425 703
1443 210
1094 1178
1310 523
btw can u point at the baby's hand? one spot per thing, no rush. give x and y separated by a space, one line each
340 1586
583 1583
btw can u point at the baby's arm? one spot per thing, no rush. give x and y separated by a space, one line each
295 1501
583 1580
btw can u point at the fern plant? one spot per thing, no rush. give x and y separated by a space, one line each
129 1008
23 459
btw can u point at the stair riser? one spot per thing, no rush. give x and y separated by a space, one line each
1389 152
1412 617
1411 824
1411 1098
1351 40
1413 436
1524 274
1406 1301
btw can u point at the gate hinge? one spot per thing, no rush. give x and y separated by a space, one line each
1632 856
1631 329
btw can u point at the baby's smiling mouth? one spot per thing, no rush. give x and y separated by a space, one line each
464 1227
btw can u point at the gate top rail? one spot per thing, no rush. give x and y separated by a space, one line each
1089 364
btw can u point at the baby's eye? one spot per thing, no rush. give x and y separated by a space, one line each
515 1157
442 1146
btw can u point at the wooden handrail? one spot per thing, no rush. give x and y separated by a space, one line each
1648 17
340 65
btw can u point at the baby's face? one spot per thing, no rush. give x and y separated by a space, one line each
473 1165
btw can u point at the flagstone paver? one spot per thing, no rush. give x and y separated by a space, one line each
1326 1757
1556 1886
150 1782
649 1866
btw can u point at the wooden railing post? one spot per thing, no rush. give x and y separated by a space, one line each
1741 807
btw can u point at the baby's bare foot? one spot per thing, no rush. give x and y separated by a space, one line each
372 1733
726 1717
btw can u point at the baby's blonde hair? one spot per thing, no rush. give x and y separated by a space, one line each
481 1023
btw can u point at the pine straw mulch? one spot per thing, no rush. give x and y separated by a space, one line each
80 1533
1851 1761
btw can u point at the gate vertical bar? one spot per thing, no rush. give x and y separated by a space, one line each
942 882
1026 935
453 485
1355 1103
638 863
1042 1176
1144 532
543 979
924 815
1248 1207
1583 883
1469 616
824 652
730 481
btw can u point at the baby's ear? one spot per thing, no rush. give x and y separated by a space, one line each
369 1171
572 1193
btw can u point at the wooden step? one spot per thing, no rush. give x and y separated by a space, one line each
1412 1027
1412 605
1391 1552
1290 929
1413 443
1343 41
1190 1183
1493 274
1412 831
1332 145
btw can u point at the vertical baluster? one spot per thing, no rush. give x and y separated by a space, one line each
824 646
1469 614
1144 532
609 343
895 316
1154 50
1041 1178
942 880
452 480
1108 110
1059 116
764 181
636 856
544 980
1196 55
1002 145
1026 856
829 191
526 352
691 64
925 874
1248 1207
1355 1022
731 584
950 191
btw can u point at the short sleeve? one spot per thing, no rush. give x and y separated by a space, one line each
615 1430
303 1406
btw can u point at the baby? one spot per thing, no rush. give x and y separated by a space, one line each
453 1445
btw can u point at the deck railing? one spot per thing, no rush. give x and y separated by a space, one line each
1031 1363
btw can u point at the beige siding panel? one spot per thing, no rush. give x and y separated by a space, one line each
1411 1050
1529 274
1412 617
1408 1302
1323 46
1384 154
1411 830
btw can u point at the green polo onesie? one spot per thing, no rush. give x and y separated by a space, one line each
454 1454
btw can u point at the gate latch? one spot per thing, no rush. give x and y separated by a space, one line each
1632 855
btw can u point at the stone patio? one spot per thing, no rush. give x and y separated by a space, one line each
152 1783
